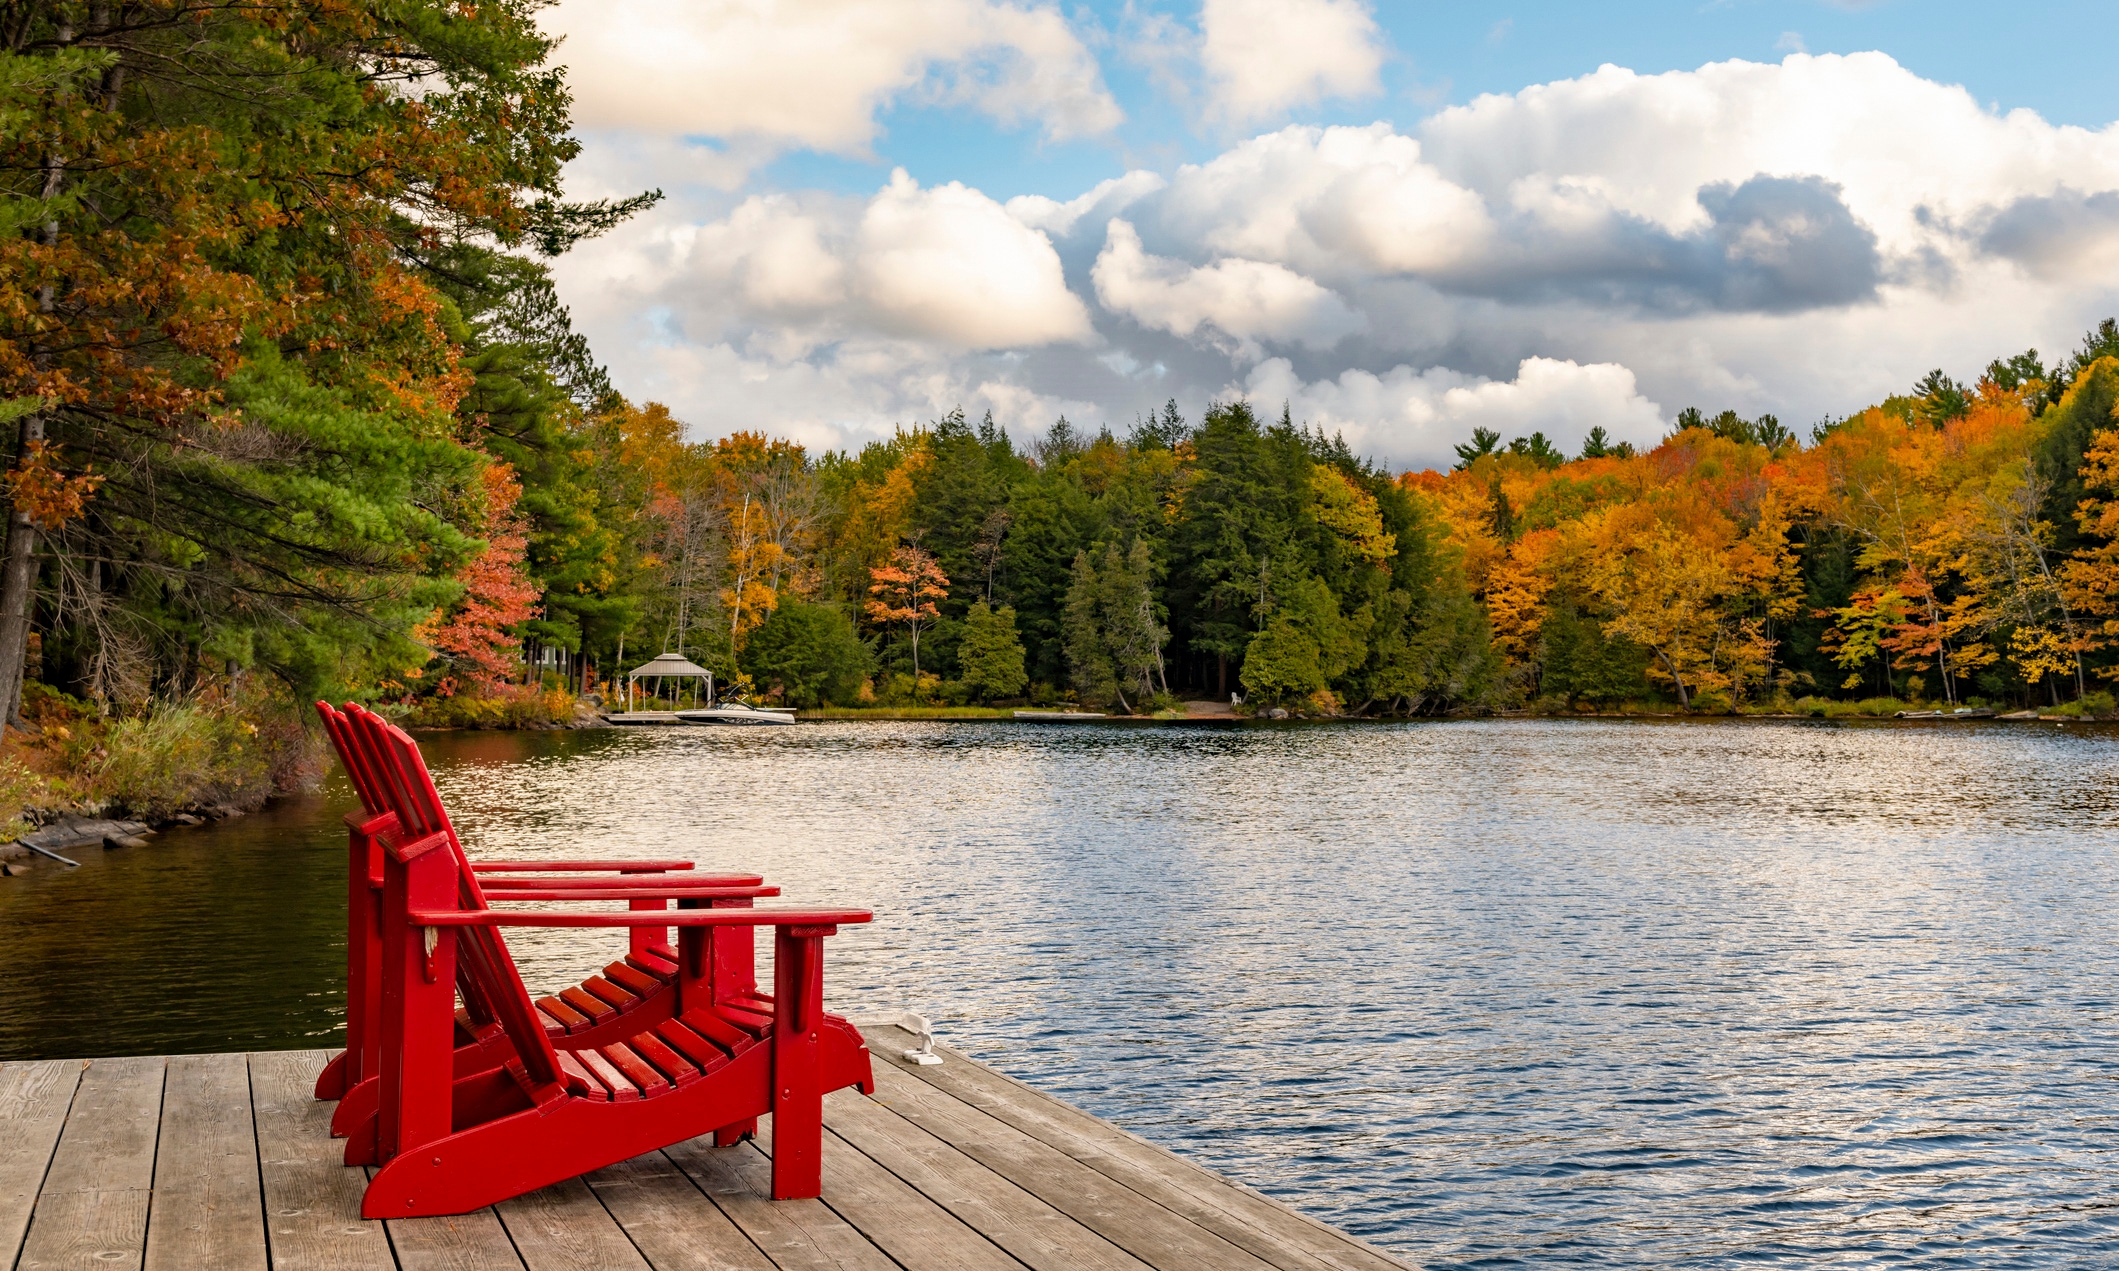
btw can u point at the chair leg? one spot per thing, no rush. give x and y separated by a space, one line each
363 970
798 1096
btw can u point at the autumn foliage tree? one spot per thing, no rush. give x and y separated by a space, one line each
479 637
904 590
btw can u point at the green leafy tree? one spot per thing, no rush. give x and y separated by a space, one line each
990 653
810 652
1305 646
1577 660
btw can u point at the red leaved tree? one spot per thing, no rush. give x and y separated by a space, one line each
478 637
905 591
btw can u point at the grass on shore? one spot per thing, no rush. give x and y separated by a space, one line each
909 712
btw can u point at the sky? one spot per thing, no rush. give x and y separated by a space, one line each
1399 222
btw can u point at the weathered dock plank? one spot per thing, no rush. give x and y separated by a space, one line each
312 1198
671 1222
92 1211
1265 1227
208 1209
564 1227
1148 1231
1032 1231
33 1102
461 1242
798 1235
226 1161
910 1227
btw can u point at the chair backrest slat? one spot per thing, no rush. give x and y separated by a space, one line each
360 769
492 987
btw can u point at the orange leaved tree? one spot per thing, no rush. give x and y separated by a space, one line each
480 636
904 590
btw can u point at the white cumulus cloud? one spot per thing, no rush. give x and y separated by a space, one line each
1411 418
944 266
1246 300
951 263
814 73
1263 57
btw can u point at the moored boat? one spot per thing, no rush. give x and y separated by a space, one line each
738 714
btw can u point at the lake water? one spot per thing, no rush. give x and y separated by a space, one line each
1489 993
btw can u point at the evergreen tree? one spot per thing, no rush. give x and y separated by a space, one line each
1237 535
990 654
1050 519
1088 647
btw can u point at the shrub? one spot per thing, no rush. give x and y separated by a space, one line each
900 690
21 789
187 755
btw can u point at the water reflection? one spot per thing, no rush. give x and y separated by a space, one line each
1506 992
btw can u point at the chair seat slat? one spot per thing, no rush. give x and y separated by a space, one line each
617 995
634 979
680 1071
691 1045
588 1004
711 1026
637 1070
580 1081
621 1087
570 1019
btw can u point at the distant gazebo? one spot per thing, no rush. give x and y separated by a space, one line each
670 666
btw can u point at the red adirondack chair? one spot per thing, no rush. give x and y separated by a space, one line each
451 1144
629 995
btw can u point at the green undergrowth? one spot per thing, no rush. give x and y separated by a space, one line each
219 748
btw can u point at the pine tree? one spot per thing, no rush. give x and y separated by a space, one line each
990 656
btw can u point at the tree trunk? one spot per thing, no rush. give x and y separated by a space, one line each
1684 698
16 577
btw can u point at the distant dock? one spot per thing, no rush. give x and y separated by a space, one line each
224 1162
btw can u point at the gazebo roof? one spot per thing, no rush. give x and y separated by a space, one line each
669 665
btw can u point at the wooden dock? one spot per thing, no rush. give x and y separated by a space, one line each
223 1162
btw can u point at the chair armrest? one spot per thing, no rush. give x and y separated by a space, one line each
506 886
617 891
550 867
640 918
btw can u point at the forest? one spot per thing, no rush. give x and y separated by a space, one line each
298 412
